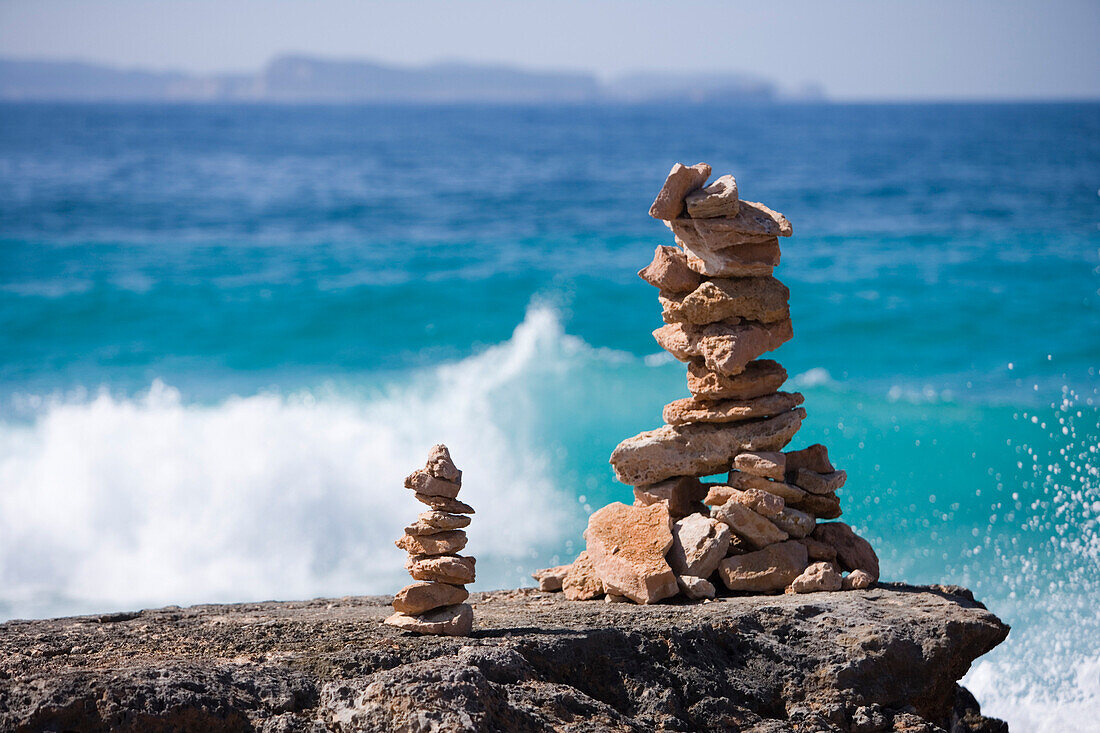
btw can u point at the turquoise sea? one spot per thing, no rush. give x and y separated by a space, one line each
227 333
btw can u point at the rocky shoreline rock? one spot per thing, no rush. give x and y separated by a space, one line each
886 658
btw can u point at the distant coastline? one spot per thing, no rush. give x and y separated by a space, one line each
297 79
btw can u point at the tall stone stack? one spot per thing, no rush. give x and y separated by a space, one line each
758 530
435 603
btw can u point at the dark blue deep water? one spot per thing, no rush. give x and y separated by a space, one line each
227 333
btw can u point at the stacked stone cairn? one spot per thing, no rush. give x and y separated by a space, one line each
758 531
435 603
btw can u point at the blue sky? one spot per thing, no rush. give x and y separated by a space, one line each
887 49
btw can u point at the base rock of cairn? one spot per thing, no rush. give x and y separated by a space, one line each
435 604
759 529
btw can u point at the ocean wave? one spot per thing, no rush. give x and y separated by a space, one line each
119 501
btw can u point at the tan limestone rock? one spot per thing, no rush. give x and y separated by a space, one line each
700 449
852 551
857 580
814 458
423 482
681 181
443 504
695 588
443 543
441 466
761 377
424 596
817 550
744 481
683 495
752 223
615 598
669 271
692 410
819 576
796 523
442 520
769 570
698 544
761 502
581 582
550 579
717 199
726 347
754 529
762 299
447 621
818 483
755 259
765 465
627 546
453 569
822 506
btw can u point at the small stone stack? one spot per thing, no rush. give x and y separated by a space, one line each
757 531
434 604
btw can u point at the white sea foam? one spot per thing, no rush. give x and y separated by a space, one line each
114 502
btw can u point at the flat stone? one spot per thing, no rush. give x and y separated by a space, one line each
669 271
424 483
820 576
760 377
698 450
698 544
766 465
755 259
754 222
681 181
852 551
817 550
424 596
448 621
754 529
442 520
695 588
550 579
814 458
443 504
441 466
726 347
581 583
761 502
683 495
692 410
857 580
762 299
627 545
614 598
453 569
818 483
822 506
717 199
764 571
789 493
795 522
443 543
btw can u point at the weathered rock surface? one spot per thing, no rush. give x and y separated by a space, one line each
813 458
698 544
765 465
717 199
627 546
752 223
745 260
789 493
681 181
535 662
443 504
683 495
819 483
795 522
694 587
581 582
691 410
761 502
698 450
437 522
424 483
852 551
762 299
550 579
447 621
857 580
725 347
442 543
755 530
669 271
441 466
453 569
760 377
426 595
820 576
769 570
822 506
